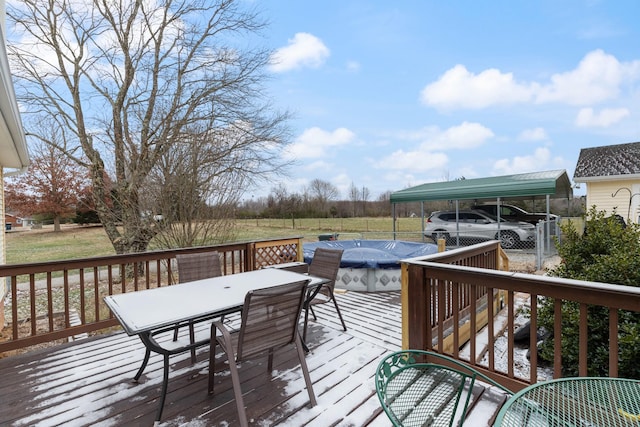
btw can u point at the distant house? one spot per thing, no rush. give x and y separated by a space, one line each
12 221
612 177
14 156
29 222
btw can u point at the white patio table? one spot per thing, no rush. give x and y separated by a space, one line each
150 312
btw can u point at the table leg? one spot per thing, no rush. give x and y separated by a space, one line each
304 344
306 307
192 338
151 346
147 354
165 386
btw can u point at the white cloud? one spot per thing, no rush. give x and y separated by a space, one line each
536 134
467 135
467 172
608 116
319 165
432 142
459 88
399 179
343 182
314 142
597 78
413 161
522 164
304 50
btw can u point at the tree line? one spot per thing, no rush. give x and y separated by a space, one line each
57 190
320 199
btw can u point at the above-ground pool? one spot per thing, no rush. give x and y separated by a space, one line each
370 265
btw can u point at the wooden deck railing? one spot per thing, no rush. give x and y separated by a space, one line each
486 256
449 299
61 299
436 307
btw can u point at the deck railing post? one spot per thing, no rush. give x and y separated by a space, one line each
300 253
250 258
416 324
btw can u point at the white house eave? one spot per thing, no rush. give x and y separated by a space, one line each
14 155
625 177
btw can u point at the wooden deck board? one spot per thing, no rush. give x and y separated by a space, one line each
89 382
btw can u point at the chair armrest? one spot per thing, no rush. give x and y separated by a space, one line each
224 339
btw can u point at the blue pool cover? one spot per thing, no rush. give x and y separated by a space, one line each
371 253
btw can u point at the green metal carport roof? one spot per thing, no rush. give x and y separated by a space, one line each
554 183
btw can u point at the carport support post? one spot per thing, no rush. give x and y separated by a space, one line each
499 205
457 223
548 227
393 218
422 219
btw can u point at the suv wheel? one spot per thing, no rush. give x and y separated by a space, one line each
508 239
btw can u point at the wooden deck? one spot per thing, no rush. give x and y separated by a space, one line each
88 382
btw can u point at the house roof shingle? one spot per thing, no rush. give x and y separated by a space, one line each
609 160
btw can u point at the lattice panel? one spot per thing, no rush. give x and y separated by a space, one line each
276 254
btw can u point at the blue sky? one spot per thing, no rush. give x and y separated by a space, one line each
391 94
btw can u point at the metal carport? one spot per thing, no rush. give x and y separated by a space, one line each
548 184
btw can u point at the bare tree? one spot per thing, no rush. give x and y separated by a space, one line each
323 192
129 80
195 181
365 197
383 203
279 200
354 197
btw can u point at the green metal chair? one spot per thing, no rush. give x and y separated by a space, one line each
414 392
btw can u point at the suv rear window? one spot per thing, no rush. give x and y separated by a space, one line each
448 217
488 208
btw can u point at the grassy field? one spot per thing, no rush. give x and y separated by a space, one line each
347 228
28 246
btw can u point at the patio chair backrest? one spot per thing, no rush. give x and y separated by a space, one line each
326 263
198 266
270 318
412 388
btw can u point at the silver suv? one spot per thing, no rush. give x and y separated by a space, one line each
513 213
477 226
